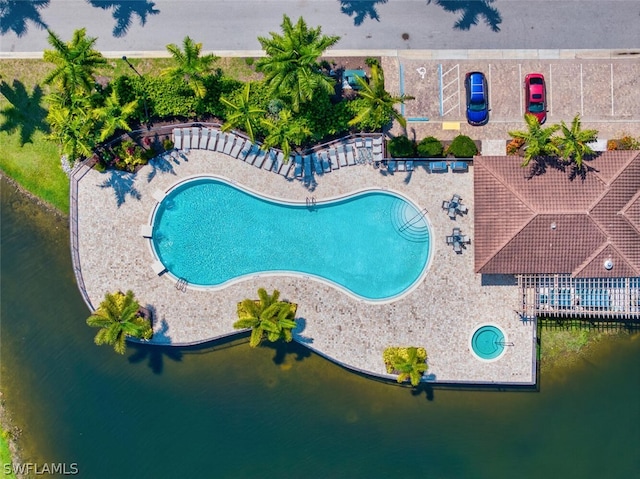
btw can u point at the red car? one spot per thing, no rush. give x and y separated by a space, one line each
535 96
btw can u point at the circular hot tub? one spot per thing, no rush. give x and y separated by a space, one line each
488 342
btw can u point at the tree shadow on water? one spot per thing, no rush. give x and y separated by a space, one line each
122 184
471 11
360 10
14 15
283 349
25 111
154 354
124 10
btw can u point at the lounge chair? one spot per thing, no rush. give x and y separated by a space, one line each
186 138
392 166
401 166
177 138
269 160
278 163
260 157
228 146
317 164
351 160
237 147
213 140
195 137
333 158
409 165
222 139
324 159
246 149
342 157
298 168
285 169
253 153
204 138
306 161
438 166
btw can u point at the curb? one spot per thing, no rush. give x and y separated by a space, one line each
516 54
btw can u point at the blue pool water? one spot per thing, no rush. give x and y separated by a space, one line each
488 342
374 244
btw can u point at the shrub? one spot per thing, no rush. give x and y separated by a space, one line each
129 155
628 142
462 147
612 145
167 144
430 147
401 147
514 145
249 61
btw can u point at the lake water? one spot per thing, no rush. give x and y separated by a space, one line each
230 412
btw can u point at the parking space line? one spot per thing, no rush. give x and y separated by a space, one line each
550 91
612 113
521 87
490 87
581 93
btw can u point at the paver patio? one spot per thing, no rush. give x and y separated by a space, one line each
440 314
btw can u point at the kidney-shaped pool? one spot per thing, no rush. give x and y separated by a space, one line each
374 244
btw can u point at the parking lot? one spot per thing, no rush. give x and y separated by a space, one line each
604 92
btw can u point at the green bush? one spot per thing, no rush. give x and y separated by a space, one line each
430 147
401 147
462 147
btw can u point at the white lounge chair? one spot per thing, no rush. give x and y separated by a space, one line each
342 157
195 137
317 164
286 168
213 140
260 158
298 168
333 159
228 146
204 138
237 147
278 163
177 138
351 160
186 138
269 160
246 149
222 139
324 158
251 157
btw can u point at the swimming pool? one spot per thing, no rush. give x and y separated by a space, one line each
374 244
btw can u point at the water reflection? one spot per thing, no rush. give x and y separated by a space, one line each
227 410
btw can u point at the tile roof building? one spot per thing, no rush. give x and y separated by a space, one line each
547 220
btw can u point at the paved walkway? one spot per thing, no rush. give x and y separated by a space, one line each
440 314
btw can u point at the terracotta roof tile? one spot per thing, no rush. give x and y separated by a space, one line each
514 212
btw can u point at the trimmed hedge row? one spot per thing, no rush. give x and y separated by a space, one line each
430 147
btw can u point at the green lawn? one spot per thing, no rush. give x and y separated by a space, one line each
25 153
5 455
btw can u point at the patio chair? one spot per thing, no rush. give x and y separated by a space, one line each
450 240
465 239
462 208
456 231
456 198
457 247
445 205
452 213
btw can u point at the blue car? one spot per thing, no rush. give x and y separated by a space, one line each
475 85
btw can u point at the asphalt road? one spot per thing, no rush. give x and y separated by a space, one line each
226 25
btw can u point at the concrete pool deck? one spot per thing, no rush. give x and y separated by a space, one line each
440 314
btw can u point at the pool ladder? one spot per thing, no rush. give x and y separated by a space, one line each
181 285
311 201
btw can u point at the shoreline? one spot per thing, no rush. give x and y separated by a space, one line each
36 199
11 436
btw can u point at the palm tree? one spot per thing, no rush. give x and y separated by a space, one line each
285 132
118 317
190 66
573 145
71 125
113 115
75 61
409 363
538 141
379 109
267 317
291 64
242 113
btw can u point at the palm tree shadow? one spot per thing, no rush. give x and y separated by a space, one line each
471 10
282 349
585 170
124 10
15 14
155 353
25 112
360 10
424 388
122 183
165 162
540 165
